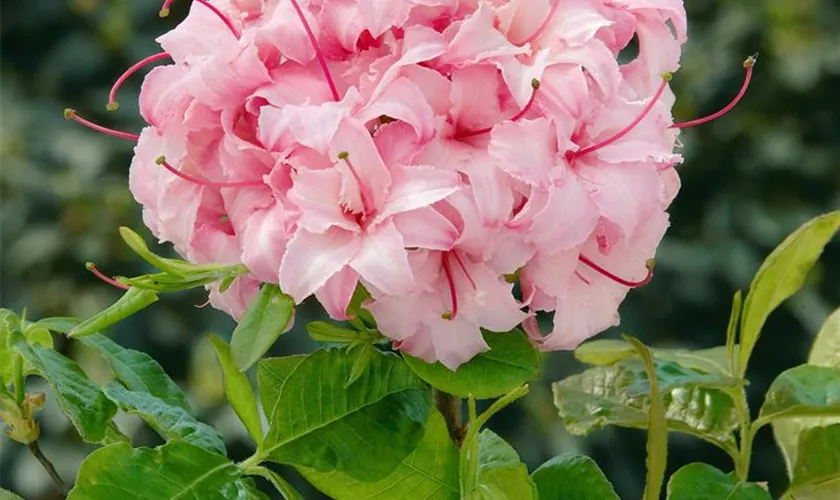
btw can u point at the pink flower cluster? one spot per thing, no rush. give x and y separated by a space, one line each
436 151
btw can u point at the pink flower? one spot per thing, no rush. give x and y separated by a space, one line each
427 149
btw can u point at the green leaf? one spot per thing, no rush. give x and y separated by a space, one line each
657 442
501 475
357 314
802 391
365 430
171 422
613 395
702 482
79 398
238 390
825 352
605 352
572 476
816 475
264 321
132 301
732 332
780 276
322 331
165 282
174 267
286 490
8 495
429 472
174 470
365 352
511 361
138 371
10 327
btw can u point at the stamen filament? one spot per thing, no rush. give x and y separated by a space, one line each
113 105
164 12
161 160
463 268
70 114
544 24
447 271
618 279
90 266
571 155
318 53
367 208
535 85
748 66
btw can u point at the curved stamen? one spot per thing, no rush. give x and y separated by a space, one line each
90 266
618 279
318 54
748 66
544 24
571 155
463 268
70 114
367 207
113 105
164 12
161 160
450 279
535 86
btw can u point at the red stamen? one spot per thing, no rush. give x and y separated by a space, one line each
70 114
748 66
450 279
320 55
535 85
164 12
90 266
577 273
544 24
161 160
113 105
617 279
571 155
463 268
367 208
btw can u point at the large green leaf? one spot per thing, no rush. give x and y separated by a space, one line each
781 275
825 352
264 321
614 395
238 390
572 476
131 302
175 470
8 495
171 422
429 472
138 371
501 475
79 398
364 430
605 352
802 391
703 482
511 361
816 475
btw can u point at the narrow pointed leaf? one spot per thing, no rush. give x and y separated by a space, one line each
732 331
573 476
79 398
365 430
511 361
138 371
703 482
322 331
131 302
264 321
238 390
429 472
606 352
175 470
365 352
171 422
781 275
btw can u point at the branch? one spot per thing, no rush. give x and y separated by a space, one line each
450 407
50 468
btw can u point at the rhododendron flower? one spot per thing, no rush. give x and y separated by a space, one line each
433 151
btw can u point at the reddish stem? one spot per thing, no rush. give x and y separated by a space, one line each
318 53
618 279
544 24
113 105
164 12
161 160
748 65
107 279
450 279
70 114
535 85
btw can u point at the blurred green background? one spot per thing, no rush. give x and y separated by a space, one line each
748 180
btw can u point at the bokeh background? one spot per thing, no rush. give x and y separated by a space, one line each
748 180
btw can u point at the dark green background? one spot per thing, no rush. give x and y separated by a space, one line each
748 180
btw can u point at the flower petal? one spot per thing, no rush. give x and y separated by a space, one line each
311 259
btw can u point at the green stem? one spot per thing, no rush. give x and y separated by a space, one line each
286 490
449 406
20 380
747 432
48 466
